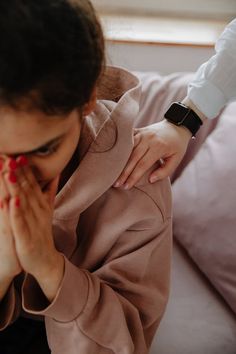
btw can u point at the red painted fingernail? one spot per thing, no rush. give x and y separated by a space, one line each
12 164
12 177
22 160
17 202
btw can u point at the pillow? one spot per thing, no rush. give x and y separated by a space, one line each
204 207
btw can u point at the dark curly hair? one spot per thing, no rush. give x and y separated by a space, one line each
51 54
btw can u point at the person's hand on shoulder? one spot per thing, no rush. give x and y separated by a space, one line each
163 142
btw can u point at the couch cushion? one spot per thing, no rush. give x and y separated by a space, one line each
205 207
197 320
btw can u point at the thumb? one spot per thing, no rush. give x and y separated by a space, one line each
51 190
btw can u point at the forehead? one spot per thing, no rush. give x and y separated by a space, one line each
23 131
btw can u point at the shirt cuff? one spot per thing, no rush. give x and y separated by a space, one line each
207 98
69 300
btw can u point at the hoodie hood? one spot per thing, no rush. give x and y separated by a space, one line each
105 145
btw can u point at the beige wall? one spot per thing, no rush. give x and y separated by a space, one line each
154 57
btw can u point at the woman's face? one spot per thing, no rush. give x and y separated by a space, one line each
47 142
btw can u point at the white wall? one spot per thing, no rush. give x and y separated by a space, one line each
164 59
204 8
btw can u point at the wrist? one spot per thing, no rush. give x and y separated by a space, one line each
50 276
187 102
180 130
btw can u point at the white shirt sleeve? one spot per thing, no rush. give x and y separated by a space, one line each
214 83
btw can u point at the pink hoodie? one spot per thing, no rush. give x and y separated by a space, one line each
116 243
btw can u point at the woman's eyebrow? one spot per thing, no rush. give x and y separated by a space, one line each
46 144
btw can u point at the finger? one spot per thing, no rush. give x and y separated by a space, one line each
30 191
132 161
4 193
7 247
24 211
4 218
31 197
29 177
51 191
19 225
136 156
30 185
20 190
4 206
140 169
165 170
137 139
1 163
14 186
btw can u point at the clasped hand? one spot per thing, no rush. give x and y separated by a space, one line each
26 236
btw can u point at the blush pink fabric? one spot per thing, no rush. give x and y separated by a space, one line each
117 244
205 207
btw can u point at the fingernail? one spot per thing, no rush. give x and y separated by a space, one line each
12 177
153 179
17 202
126 186
12 164
117 184
22 160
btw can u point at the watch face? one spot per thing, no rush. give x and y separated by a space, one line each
176 112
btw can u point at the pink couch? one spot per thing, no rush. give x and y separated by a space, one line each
200 316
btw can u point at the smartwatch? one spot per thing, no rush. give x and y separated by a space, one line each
181 115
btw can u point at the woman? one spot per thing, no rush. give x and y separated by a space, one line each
90 260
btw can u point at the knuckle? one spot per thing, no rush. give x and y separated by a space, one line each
135 154
124 175
143 165
142 145
160 141
25 185
128 169
152 135
135 177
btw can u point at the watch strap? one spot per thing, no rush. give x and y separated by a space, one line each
181 115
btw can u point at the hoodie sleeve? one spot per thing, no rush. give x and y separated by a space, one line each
117 307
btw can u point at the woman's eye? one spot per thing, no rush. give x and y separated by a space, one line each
45 151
